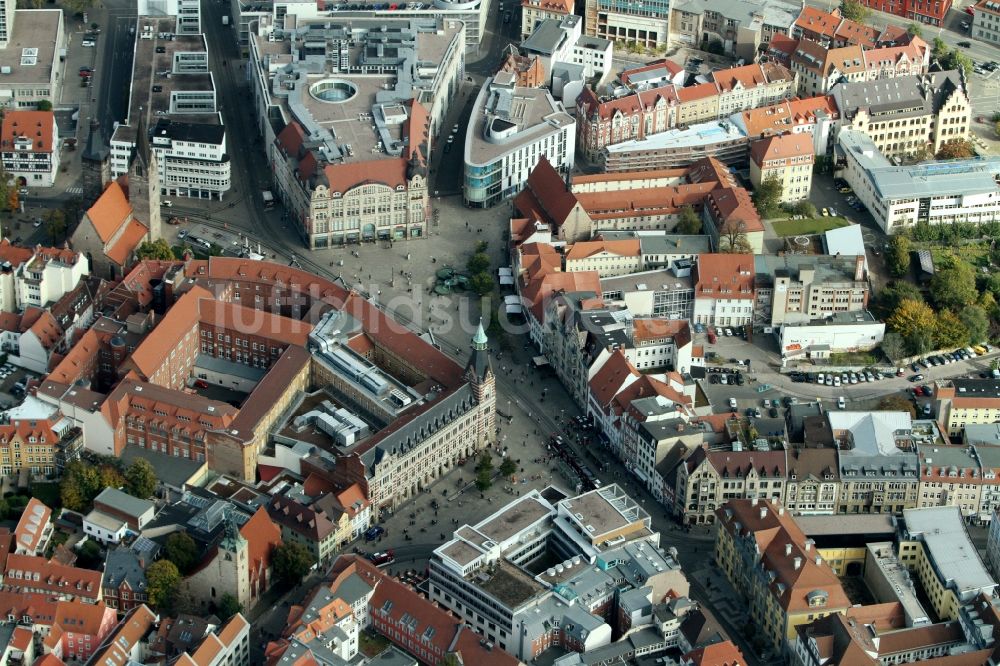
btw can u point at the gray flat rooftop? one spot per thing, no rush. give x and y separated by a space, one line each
662 242
949 548
533 110
774 12
814 526
171 471
513 519
658 280
33 29
607 509
151 87
702 134
509 585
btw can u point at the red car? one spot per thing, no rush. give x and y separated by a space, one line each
200 383
382 559
970 10
917 391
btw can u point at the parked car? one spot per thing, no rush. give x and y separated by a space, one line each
383 559
917 378
732 404
841 403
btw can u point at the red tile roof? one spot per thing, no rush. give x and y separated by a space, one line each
15 254
746 77
696 92
725 276
262 536
53 578
116 650
616 372
290 139
38 126
717 654
819 22
179 320
671 67
546 197
585 249
35 516
126 244
782 147
110 211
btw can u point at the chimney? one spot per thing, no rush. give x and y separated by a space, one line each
788 549
797 563
808 545
753 501
859 268
763 512
819 560
781 510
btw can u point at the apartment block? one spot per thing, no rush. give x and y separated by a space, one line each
534 12
777 570
899 197
708 479
813 484
742 27
647 25
787 158
752 86
724 289
986 21
31 41
906 115
366 180
803 288
815 116
511 128
30 147
500 584
935 546
964 402
879 466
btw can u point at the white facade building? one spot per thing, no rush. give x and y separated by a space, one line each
510 129
932 192
173 98
48 276
30 147
187 13
842 332
192 158
106 529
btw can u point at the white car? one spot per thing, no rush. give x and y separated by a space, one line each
87 42
836 380
821 379
732 404
841 403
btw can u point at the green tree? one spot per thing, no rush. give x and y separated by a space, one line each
89 554
939 49
484 471
949 331
897 402
481 283
6 186
4 509
767 197
804 208
893 294
996 127
478 263
508 467
956 150
44 105
855 11
158 249
228 606
291 562
954 284
914 30
109 477
897 259
140 479
450 659
79 485
689 222
162 579
976 321
910 318
893 345
55 224
181 549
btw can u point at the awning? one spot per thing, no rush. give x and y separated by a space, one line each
513 308
506 279
539 361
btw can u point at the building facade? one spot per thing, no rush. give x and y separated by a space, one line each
511 129
986 21
787 159
29 146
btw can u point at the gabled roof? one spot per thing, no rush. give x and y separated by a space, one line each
126 244
697 92
262 537
35 516
585 249
717 654
110 211
745 77
116 650
816 21
52 577
782 147
616 373
546 196
725 275
35 126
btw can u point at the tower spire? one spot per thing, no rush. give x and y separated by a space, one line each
479 340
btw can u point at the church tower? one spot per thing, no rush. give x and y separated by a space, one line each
144 184
233 564
96 164
482 381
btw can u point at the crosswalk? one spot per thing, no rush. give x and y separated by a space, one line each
74 190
